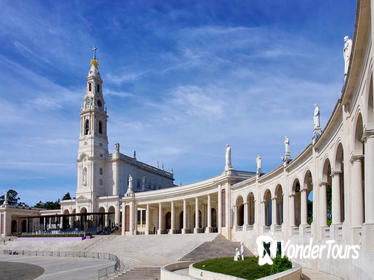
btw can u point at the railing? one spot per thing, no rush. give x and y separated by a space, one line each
104 272
266 228
239 228
54 232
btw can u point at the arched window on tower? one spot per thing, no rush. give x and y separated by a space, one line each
89 86
86 127
98 88
100 127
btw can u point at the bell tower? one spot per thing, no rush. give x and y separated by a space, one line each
93 140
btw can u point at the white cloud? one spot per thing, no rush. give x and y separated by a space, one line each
118 93
122 78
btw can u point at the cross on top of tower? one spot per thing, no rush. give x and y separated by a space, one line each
94 61
94 49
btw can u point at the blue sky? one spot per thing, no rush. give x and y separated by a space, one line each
181 79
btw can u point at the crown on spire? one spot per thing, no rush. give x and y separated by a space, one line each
94 62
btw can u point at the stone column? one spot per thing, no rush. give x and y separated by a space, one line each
107 218
368 228
357 195
256 219
246 223
204 217
235 222
6 229
209 215
219 212
262 216
172 218
196 215
132 218
335 199
273 213
184 217
292 211
303 210
115 173
117 215
147 212
228 208
304 207
123 218
323 205
140 216
70 222
369 177
159 231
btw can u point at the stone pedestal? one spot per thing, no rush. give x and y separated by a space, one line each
368 238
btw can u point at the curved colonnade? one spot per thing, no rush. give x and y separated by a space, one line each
326 192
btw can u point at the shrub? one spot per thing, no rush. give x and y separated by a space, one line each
280 264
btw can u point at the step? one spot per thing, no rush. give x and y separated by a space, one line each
141 273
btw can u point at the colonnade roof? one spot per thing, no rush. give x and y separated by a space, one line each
194 189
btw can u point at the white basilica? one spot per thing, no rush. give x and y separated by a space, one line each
288 203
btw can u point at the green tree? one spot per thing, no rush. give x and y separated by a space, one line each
49 205
66 196
13 198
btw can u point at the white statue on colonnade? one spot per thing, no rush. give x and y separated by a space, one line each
130 190
317 124
347 54
228 164
287 155
258 161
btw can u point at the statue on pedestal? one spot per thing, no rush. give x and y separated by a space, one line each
130 190
316 120
287 155
347 54
258 161
116 147
228 165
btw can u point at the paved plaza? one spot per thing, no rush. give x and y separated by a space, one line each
50 268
